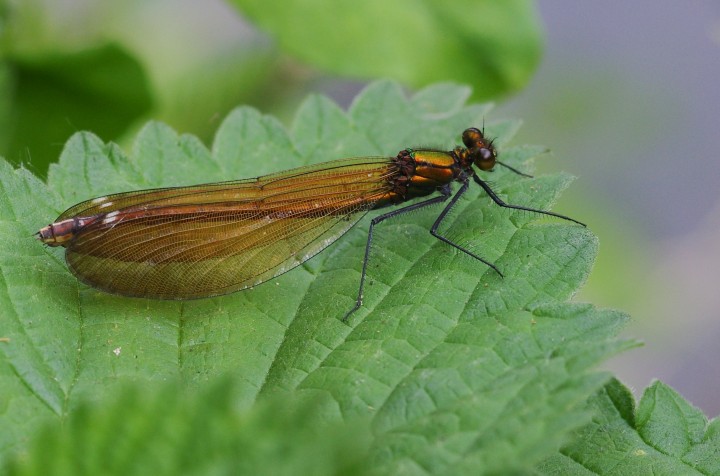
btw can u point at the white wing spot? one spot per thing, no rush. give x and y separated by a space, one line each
110 217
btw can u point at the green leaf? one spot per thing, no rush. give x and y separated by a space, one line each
454 368
664 435
495 46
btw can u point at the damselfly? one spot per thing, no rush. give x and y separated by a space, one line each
212 239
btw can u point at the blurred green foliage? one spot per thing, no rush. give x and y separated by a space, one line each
104 67
493 46
48 98
164 430
51 87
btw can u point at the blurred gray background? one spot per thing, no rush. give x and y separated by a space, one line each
628 99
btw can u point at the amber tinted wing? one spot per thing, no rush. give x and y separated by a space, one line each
207 240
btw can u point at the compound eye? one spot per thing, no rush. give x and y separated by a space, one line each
472 137
485 158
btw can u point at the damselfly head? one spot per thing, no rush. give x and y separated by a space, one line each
481 150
